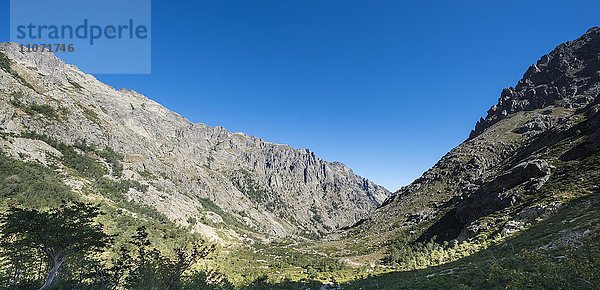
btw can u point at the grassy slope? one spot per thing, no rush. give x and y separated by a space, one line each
560 252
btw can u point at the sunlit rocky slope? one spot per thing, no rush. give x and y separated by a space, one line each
199 176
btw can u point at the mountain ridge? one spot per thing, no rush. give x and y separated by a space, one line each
549 76
510 170
228 168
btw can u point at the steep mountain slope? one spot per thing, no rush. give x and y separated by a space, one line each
514 206
537 149
560 252
199 176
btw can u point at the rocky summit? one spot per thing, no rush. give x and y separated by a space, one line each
566 77
190 172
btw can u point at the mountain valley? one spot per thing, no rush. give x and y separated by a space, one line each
514 206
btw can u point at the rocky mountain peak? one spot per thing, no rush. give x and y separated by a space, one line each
540 143
568 76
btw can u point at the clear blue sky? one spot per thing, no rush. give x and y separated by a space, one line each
386 87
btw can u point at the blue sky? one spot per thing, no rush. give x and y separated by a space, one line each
386 87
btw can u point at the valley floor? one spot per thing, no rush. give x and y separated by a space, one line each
561 252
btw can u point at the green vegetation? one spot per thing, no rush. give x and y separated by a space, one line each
74 84
58 237
85 163
561 252
89 114
245 183
142 266
45 110
574 177
261 194
34 109
229 219
87 166
36 203
284 262
114 159
65 248
410 256
31 184
148 175
5 64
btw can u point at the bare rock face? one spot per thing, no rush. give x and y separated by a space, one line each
568 77
271 188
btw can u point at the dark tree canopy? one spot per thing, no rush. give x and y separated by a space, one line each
149 268
58 234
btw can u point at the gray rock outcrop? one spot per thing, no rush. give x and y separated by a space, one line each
567 77
272 188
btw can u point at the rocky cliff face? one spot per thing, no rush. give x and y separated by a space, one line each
535 150
190 172
566 77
